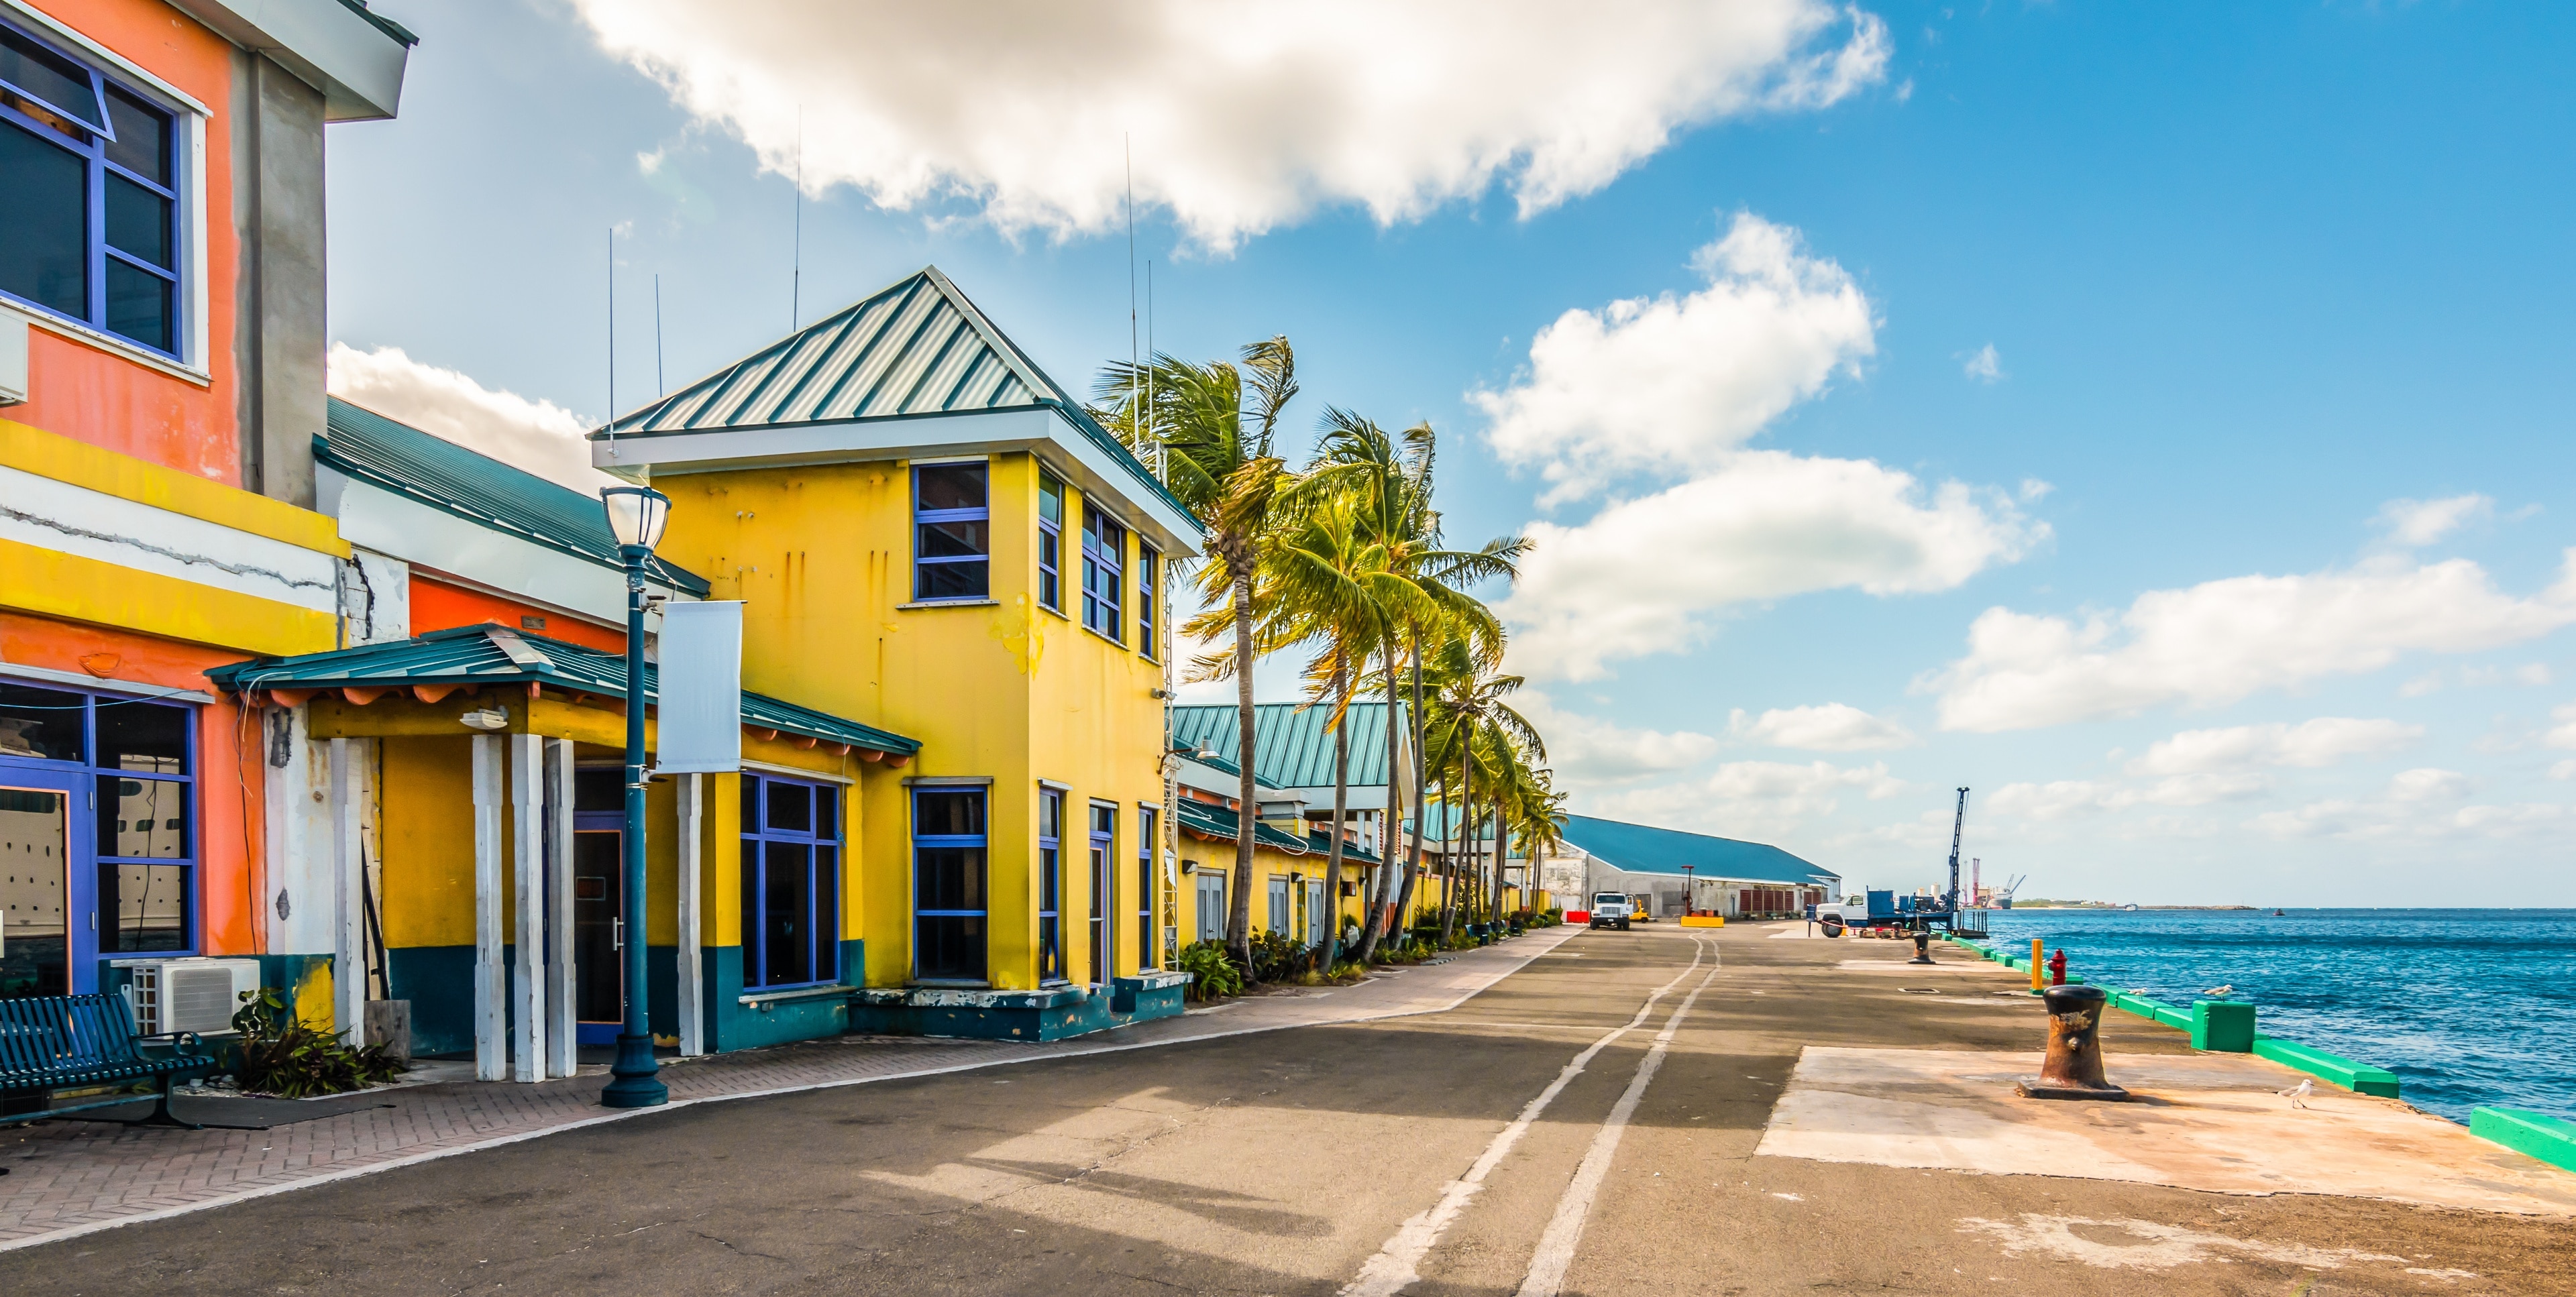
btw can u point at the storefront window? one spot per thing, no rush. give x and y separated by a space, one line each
98 834
791 874
948 909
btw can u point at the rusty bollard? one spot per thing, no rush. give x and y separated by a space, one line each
1922 948
2074 1066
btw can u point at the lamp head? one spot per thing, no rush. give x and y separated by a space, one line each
636 515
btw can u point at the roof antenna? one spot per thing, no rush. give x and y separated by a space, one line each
1155 443
660 386
612 342
1128 144
796 275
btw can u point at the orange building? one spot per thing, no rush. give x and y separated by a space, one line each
161 384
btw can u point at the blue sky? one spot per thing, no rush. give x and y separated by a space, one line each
2247 281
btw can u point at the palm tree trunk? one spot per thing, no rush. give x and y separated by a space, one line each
1422 811
1375 917
1466 800
1341 807
1238 923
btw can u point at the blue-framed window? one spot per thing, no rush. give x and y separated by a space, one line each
791 882
1050 542
1104 840
948 885
1212 913
98 834
89 229
1146 839
1149 571
1050 885
952 547
1104 563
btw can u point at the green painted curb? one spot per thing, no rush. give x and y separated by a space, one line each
2360 1078
2225 1026
2533 1134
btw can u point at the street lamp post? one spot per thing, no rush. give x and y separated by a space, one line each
636 515
1690 891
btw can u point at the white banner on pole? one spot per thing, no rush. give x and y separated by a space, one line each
699 717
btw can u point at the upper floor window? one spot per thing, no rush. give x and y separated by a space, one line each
952 532
1050 542
1104 559
89 228
1149 568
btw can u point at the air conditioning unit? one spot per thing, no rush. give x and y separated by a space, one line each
199 995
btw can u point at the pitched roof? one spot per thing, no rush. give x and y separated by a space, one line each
1220 824
478 488
496 655
917 347
1290 746
1639 848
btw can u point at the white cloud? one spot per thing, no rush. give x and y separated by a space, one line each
1832 727
2428 785
2221 640
2417 804
1643 576
1241 116
539 436
1987 366
1586 749
1676 383
2563 734
1752 797
2410 523
2068 798
2320 742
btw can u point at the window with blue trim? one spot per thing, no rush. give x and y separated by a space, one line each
948 907
1104 837
1050 542
1149 568
791 882
1050 885
1146 841
89 228
1104 561
98 834
952 548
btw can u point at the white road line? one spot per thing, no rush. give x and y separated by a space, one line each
1564 1230
1393 1268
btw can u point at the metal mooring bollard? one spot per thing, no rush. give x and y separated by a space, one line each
1922 948
2073 1069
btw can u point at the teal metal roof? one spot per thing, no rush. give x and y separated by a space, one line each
1220 823
478 488
1640 849
916 348
1290 746
497 655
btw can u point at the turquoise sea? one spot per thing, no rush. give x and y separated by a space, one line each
2467 1007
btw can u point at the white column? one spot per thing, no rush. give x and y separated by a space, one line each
348 895
528 874
686 1002
562 1034
490 1048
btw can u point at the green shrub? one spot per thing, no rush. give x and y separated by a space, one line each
283 1057
1278 957
1212 970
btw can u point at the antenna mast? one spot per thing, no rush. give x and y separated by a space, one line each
660 385
796 270
612 339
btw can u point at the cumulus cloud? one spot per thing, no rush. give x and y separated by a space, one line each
1676 383
1986 366
539 436
1241 116
2411 523
2311 744
1832 727
1644 576
2563 734
2068 798
2417 804
2222 640
1753 797
1589 750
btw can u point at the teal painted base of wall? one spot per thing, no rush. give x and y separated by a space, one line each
1016 1015
2533 1134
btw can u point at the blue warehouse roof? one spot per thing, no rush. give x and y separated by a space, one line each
1638 848
476 656
445 476
1291 747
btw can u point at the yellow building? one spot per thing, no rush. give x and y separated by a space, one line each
1291 855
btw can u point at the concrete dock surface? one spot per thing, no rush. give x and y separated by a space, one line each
1655 1111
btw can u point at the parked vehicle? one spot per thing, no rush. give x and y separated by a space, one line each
1641 908
1610 909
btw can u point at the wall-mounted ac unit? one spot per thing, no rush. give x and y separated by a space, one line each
199 995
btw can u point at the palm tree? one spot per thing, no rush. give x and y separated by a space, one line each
1485 729
1215 425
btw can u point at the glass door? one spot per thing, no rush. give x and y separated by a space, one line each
44 923
598 933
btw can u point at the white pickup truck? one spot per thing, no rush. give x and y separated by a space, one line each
1610 909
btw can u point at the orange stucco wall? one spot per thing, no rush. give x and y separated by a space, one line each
231 777
436 605
98 395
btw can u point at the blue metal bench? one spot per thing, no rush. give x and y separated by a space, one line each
72 1042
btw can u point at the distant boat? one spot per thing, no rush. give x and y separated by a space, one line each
2128 907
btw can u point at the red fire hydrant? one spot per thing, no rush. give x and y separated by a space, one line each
2057 968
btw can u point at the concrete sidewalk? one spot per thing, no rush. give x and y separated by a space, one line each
68 1177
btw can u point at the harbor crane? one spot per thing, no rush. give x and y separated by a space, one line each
1958 823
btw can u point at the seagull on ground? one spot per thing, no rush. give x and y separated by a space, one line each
2226 988
2298 1094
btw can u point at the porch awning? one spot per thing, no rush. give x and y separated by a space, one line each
1220 824
434 665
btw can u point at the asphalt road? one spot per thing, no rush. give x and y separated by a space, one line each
1488 1150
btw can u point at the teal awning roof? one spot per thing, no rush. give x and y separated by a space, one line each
496 655
478 488
1638 848
1221 824
915 348
1291 747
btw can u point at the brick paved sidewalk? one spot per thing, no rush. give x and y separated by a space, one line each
70 1177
